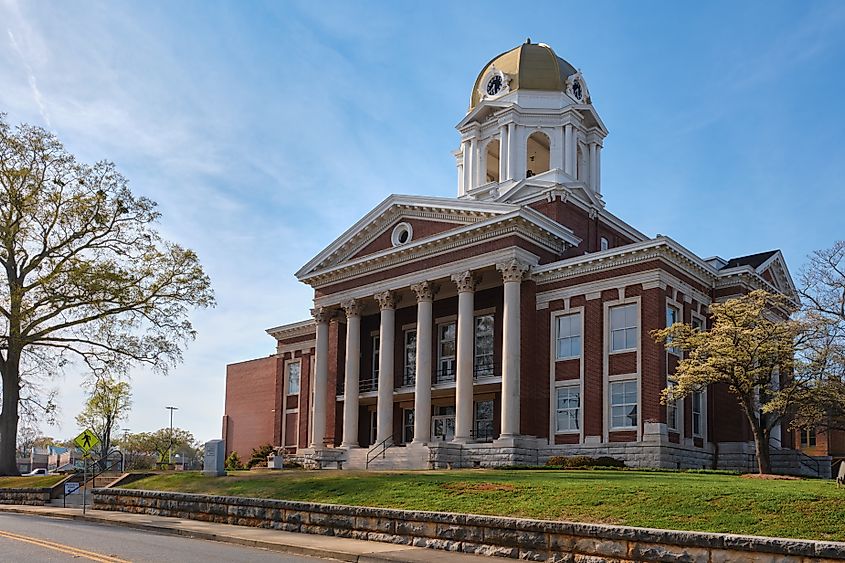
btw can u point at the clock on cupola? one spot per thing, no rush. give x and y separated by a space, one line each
494 84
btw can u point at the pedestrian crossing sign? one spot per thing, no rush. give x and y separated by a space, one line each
86 441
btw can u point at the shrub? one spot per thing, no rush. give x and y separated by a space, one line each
233 462
583 461
259 456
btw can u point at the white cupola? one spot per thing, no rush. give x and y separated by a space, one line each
531 121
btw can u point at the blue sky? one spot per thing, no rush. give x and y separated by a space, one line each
264 130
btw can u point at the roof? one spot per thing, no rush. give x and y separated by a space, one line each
753 260
530 66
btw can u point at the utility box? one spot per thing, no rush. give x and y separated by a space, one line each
275 461
214 458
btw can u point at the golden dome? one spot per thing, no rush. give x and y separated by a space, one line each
531 66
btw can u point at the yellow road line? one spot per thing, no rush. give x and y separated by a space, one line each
63 548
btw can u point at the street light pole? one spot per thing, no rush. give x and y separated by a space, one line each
170 447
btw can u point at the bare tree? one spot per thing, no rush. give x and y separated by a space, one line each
87 275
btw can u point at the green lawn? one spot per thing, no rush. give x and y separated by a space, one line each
811 509
30 482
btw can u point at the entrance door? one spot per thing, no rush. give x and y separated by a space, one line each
443 423
373 427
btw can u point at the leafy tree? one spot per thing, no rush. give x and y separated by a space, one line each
87 275
233 462
158 443
108 403
822 291
752 349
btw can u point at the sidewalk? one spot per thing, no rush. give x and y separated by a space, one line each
289 542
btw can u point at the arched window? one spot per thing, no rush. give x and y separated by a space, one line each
492 160
537 150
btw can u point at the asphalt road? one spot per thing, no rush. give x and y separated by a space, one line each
35 538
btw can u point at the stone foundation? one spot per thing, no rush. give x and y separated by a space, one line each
534 540
31 496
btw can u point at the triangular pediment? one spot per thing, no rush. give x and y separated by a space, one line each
775 272
425 217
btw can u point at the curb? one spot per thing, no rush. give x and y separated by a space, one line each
339 555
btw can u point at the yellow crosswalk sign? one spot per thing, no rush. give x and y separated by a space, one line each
86 441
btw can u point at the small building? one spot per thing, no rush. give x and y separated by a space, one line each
505 325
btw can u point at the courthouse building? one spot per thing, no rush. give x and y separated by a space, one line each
507 324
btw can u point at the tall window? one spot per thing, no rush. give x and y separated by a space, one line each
672 317
568 404
294 370
623 327
484 365
376 346
672 412
623 404
409 375
446 339
407 425
697 413
483 420
568 336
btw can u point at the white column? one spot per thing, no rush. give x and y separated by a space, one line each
512 150
466 340
321 378
556 149
384 409
353 363
503 152
466 168
512 273
567 150
422 391
473 161
597 186
593 166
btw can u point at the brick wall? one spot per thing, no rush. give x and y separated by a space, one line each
251 398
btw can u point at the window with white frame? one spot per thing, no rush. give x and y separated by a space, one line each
568 336
672 316
410 371
446 350
623 404
672 411
697 323
698 413
484 365
623 327
604 244
294 371
567 408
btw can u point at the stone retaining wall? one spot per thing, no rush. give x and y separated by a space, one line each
31 496
535 540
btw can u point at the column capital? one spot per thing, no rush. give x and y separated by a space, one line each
424 290
465 281
513 271
386 299
322 314
352 308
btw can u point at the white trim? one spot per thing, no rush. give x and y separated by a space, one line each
303 346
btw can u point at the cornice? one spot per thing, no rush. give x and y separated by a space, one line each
293 330
529 224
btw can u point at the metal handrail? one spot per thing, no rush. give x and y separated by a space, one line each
374 452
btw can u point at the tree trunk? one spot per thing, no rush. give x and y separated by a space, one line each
9 416
761 442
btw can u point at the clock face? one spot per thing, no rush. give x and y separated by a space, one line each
494 85
576 89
